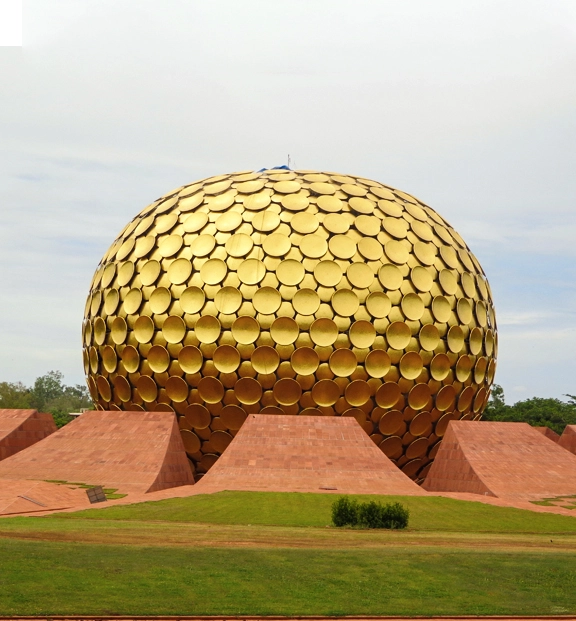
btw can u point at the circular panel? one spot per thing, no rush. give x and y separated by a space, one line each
160 300
425 253
322 188
421 278
378 304
207 329
325 392
476 341
177 389
330 204
158 359
445 398
327 273
396 227
124 250
441 309
226 359
429 337
255 202
290 272
358 414
295 202
217 188
104 388
195 222
210 390
367 225
179 271
266 221
421 422
323 332
464 310
353 190
440 367
245 330
130 359
448 282
248 391
221 202
249 187
396 252
99 330
147 388
239 245
251 271
202 245
377 363
343 362
442 424
174 329
287 391
233 416
388 394
463 368
122 388
228 300
190 359
360 275
304 223
170 245
398 335
423 230
111 301
345 302
481 313
390 422
265 359
143 329
287 187
284 331
276 245
213 271
491 370
480 370
489 342
267 300
336 223
370 249
143 246
392 447
390 277
132 301
449 256
109 359
342 247
119 330
192 300
419 396
93 358
198 416
468 284
228 222
411 365
479 399
382 193
149 272
305 361
362 334
455 339
465 399
412 306
313 246
414 450
108 275
190 440
306 301
357 393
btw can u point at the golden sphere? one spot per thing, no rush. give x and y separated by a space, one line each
295 292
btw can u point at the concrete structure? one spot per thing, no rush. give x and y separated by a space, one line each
549 433
130 451
37 497
284 453
506 460
20 429
568 439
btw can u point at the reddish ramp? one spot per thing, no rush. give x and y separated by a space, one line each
131 451
568 439
20 429
549 433
29 497
305 454
506 460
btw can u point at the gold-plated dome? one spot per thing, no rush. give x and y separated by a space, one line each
295 292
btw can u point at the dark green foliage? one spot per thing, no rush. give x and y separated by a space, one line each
537 411
370 514
48 394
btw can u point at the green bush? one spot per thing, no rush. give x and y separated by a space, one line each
371 514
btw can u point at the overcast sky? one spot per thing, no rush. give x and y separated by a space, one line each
470 106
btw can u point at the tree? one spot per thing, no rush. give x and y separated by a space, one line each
14 396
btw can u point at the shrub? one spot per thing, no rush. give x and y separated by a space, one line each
371 514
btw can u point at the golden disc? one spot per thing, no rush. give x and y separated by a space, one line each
448 281
343 362
345 302
174 329
239 245
287 187
414 450
108 275
306 302
357 393
111 301
491 370
96 301
390 422
213 271
104 388
377 363
476 341
295 202
463 368
411 365
251 186
390 208
160 300
217 188
233 416
191 441
449 256
124 250
190 359
455 339
265 359
202 245
221 202
245 330
442 424
226 358
130 359
122 388
147 388
179 271
93 358
207 329
445 398
195 222
468 285
267 300
421 278
425 253
441 309
132 301
330 204
170 245
378 304
158 359
287 391
305 361
481 313
398 335
429 337
362 334
382 193
479 400
290 272
266 221
198 416
322 188
367 225
392 446
323 332
251 271
109 359
125 273
143 246
464 310
256 202
284 331
190 203
396 227
419 396
304 223
421 423
353 190
327 273
143 329
313 246
210 390
489 342
228 300
422 230
342 247
390 277
360 275
440 367
325 392
150 272
276 245
248 391
336 223
99 331
370 249
412 306
465 399
177 389
396 251
356 413
192 300
480 370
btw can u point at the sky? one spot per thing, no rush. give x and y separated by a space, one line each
470 106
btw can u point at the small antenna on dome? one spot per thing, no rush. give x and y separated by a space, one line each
288 160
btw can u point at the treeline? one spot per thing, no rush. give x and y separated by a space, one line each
537 411
48 394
